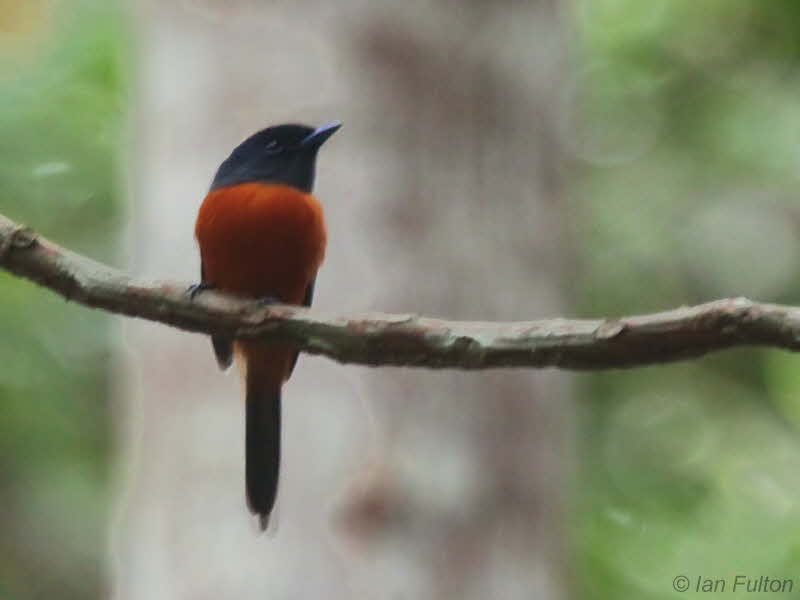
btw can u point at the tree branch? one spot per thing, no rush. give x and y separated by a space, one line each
408 340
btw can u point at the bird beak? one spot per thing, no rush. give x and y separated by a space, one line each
316 138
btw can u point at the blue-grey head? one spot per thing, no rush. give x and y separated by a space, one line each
284 154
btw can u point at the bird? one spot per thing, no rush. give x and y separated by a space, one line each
262 235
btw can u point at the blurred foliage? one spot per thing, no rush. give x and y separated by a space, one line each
686 133
62 96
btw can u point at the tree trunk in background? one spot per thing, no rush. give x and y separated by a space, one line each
444 196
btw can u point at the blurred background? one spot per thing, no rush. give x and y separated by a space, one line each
499 160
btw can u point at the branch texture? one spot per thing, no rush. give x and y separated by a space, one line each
408 340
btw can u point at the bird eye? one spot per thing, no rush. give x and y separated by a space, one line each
273 147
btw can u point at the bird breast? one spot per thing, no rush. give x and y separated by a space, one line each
261 240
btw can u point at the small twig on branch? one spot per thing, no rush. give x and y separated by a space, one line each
408 340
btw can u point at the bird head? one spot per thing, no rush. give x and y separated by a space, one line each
284 154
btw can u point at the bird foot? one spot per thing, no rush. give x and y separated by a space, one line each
196 288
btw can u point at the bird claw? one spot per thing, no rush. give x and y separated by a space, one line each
196 288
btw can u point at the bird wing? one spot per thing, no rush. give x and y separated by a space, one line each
223 346
307 299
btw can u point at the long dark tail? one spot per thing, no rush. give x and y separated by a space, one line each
262 445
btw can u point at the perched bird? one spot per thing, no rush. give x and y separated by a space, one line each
262 235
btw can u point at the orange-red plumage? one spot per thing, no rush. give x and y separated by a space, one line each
262 240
